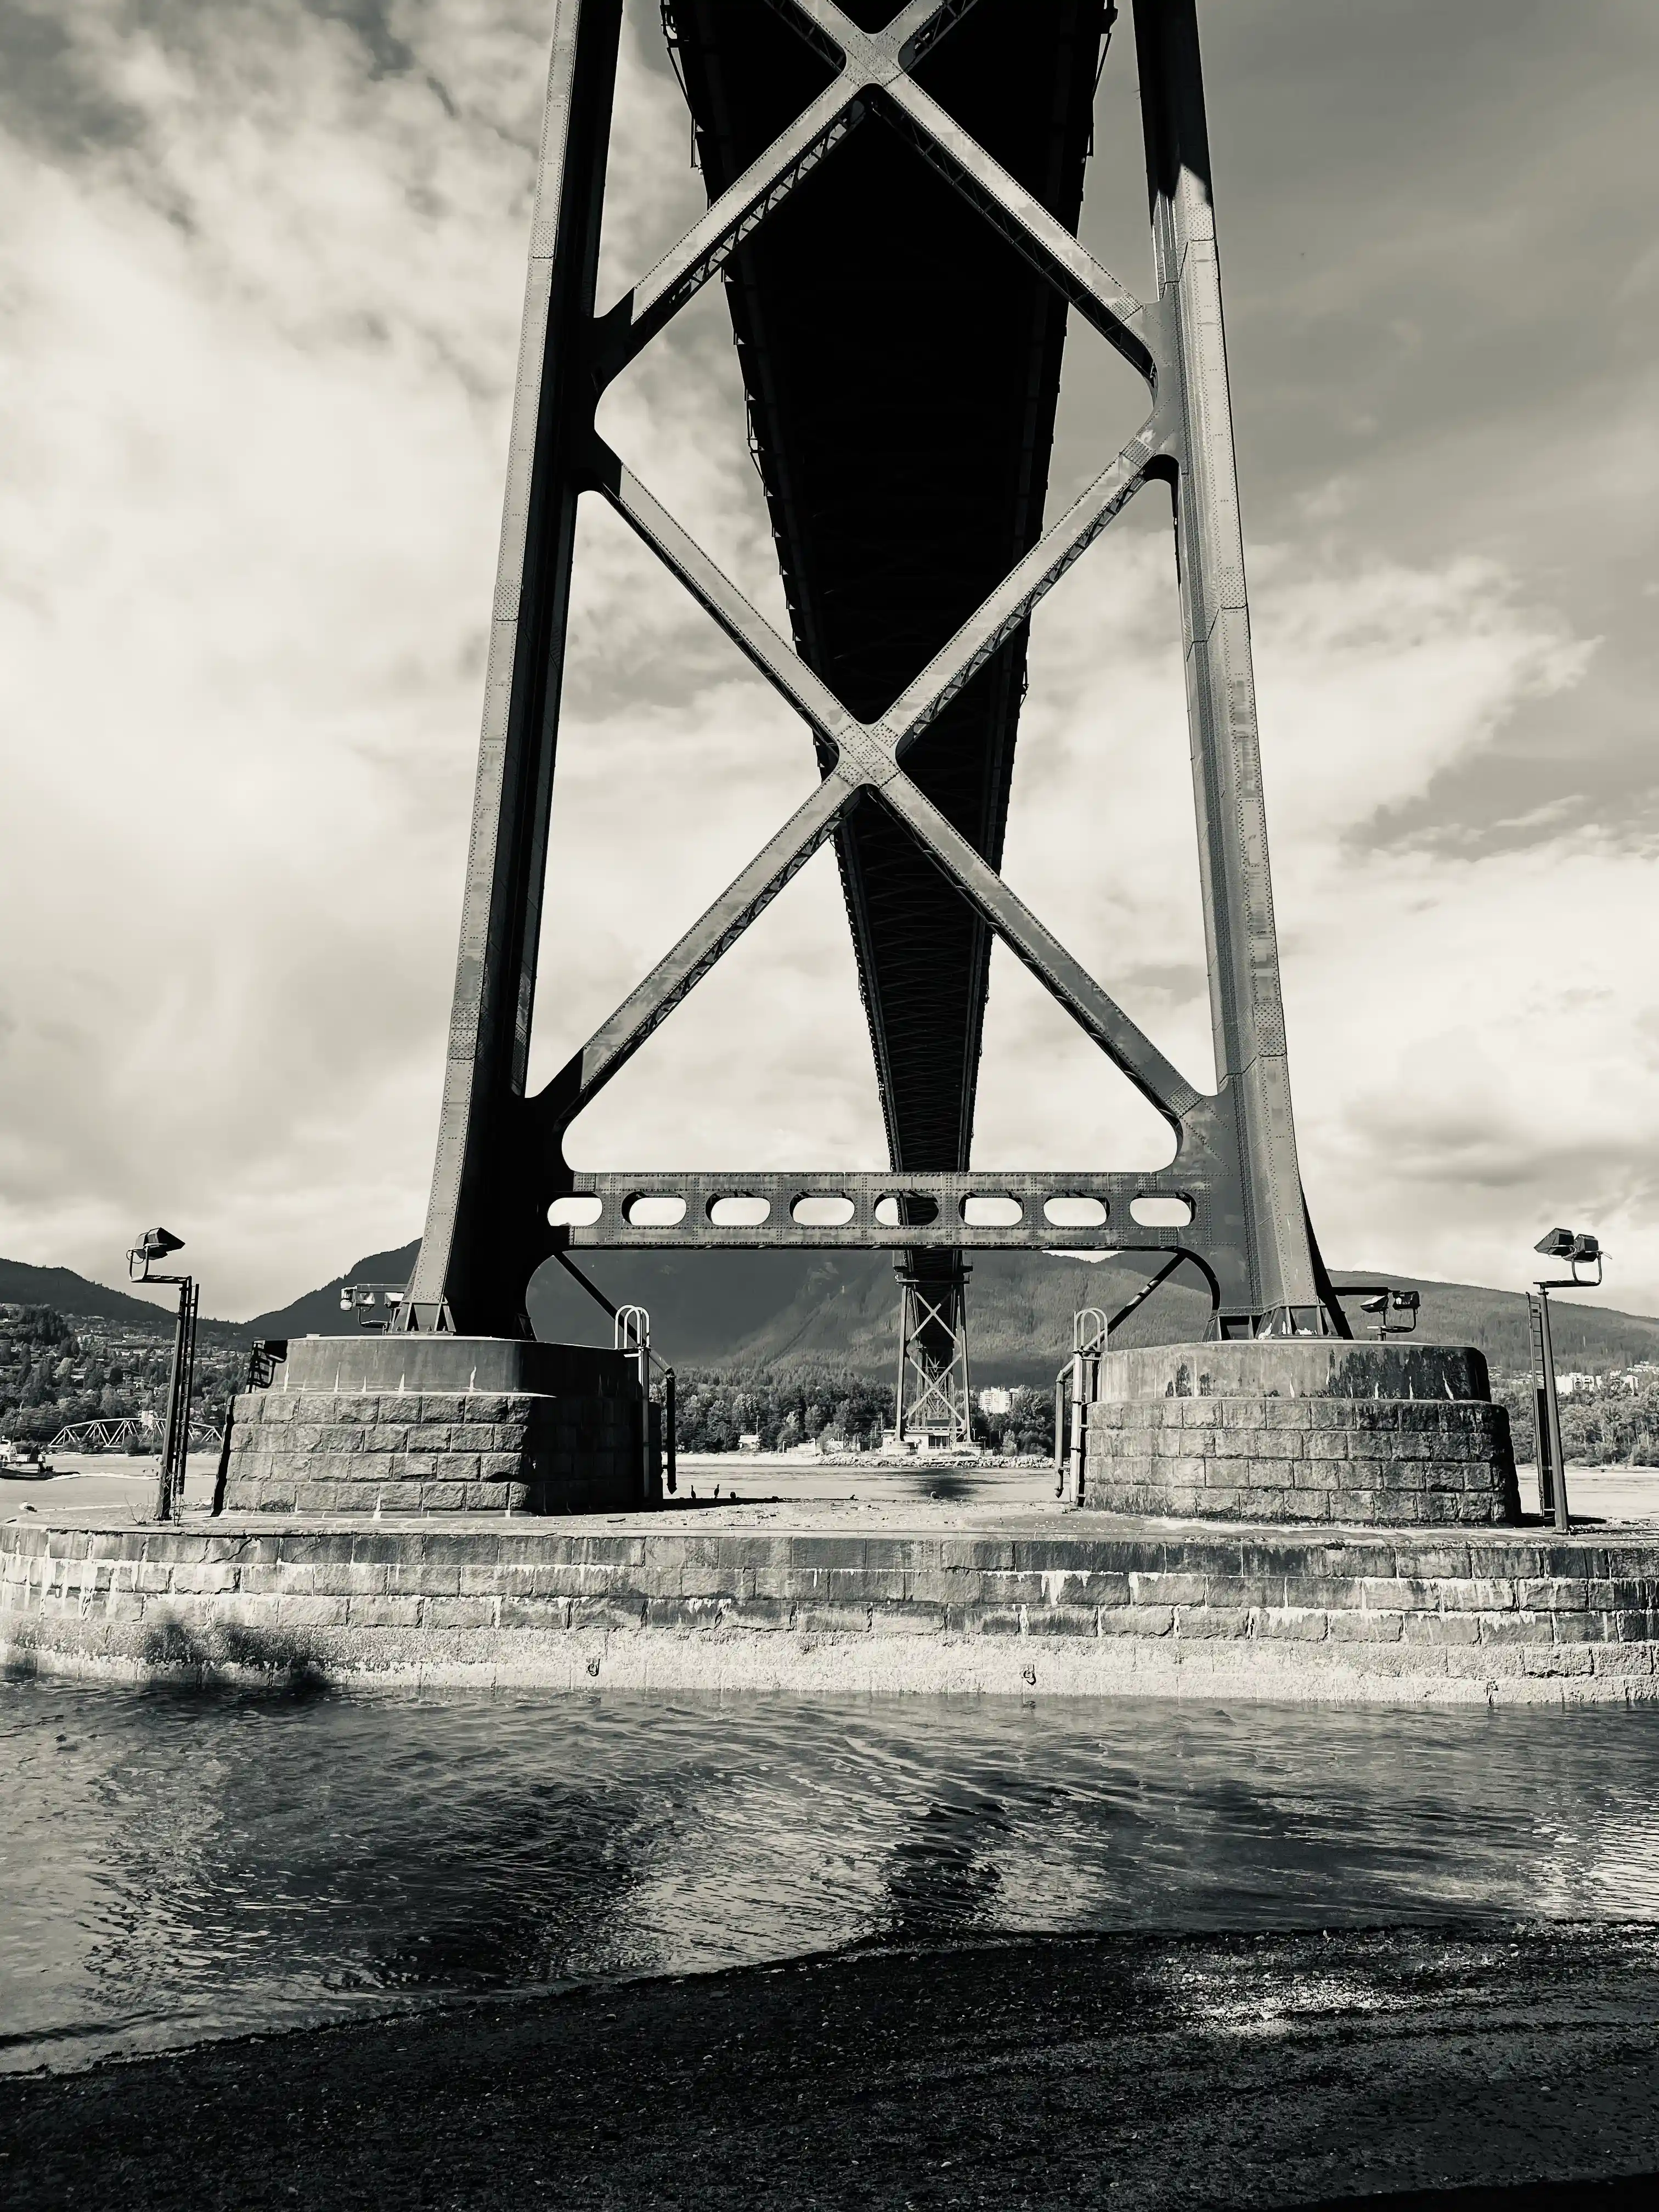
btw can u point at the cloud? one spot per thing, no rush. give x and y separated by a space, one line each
1467 1027
262 276
1473 1035
260 351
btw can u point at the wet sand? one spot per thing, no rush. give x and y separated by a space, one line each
1155 2073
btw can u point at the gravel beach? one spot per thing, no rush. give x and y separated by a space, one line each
1275 2071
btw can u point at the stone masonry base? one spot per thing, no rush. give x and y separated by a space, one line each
1286 1432
1082 1606
407 1424
433 1452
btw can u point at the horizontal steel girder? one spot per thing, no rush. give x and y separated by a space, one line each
883 1211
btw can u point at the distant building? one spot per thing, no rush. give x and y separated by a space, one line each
919 1441
750 1442
996 1401
1568 1385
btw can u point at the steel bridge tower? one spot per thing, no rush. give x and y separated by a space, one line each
894 197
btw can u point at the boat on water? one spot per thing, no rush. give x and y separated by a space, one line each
20 1462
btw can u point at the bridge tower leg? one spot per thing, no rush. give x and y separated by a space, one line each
486 1226
1247 1008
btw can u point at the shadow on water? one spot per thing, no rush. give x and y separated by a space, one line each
942 1879
954 1489
200 1860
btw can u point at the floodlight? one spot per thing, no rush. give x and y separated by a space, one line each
1579 1249
153 1245
156 1244
1374 1305
1407 1301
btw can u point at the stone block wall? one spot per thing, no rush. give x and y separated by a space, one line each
1391 1461
1511 1614
1288 1429
405 1451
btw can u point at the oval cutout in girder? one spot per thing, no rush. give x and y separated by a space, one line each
740 1209
654 1209
580 1210
823 1210
907 1209
1160 1210
1074 1213
992 1210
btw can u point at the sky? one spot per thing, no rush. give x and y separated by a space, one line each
261 270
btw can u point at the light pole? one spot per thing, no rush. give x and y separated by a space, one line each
156 1244
1579 1249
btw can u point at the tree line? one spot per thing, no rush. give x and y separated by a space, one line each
1612 1426
783 1407
56 1372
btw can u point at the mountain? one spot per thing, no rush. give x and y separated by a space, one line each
318 1312
73 1295
840 1310
1586 1335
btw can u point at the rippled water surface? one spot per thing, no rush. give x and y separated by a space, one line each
175 1865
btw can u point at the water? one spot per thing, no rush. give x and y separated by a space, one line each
175 1865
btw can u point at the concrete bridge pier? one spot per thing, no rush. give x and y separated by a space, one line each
1301 1429
406 1424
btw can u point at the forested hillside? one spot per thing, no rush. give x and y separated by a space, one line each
837 1311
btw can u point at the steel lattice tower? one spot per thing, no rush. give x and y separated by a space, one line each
895 197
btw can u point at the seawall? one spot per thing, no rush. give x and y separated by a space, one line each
1036 1605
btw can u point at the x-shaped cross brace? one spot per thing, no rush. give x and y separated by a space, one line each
869 757
1236 1163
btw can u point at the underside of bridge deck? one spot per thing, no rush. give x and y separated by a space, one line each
902 369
